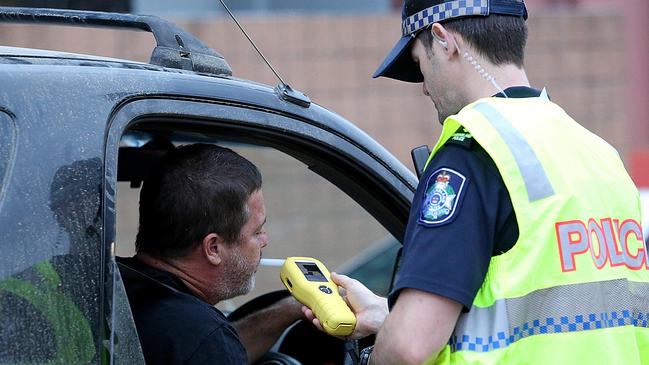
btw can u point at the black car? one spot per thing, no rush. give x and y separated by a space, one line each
79 131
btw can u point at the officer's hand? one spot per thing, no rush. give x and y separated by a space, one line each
369 308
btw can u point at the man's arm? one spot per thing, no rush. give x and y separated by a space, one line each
259 330
418 327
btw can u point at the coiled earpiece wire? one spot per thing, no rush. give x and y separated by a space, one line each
485 75
473 62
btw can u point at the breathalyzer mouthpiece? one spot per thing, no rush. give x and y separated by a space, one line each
271 262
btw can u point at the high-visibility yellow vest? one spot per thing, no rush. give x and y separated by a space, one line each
574 289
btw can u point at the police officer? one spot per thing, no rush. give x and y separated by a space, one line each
523 243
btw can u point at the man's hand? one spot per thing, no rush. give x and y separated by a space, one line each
369 308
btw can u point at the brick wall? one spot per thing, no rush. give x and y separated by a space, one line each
577 56
331 58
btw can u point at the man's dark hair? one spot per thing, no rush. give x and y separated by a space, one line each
195 190
499 38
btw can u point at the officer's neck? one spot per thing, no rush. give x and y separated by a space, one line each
505 76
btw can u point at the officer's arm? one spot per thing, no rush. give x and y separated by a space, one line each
418 327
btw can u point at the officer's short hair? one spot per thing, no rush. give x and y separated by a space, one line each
499 38
196 190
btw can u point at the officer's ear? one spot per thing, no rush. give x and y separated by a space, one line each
445 39
213 248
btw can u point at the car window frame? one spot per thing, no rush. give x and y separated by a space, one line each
309 142
7 119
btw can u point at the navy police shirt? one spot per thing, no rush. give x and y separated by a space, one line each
460 217
175 326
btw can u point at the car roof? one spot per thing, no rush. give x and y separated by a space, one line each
19 55
131 79
8 51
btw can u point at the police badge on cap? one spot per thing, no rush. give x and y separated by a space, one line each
443 192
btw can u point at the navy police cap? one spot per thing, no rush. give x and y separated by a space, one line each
419 14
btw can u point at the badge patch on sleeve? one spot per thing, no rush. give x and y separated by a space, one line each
444 189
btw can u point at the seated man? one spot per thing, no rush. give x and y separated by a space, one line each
199 242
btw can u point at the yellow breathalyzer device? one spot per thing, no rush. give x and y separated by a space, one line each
310 283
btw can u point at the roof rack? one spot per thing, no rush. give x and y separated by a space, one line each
175 47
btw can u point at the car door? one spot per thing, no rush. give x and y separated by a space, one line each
331 191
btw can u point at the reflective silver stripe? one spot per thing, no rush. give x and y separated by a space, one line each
566 308
536 181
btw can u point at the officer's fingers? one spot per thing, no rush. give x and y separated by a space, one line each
317 324
354 289
342 291
349 304
342 280
308 313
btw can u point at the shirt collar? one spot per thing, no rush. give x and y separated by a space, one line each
154 274
520 92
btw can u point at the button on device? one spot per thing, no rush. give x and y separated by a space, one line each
325 289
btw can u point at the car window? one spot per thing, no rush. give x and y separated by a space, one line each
49 305
306 216
330 191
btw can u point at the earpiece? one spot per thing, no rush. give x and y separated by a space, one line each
440 40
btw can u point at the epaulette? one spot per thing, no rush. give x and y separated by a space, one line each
463 138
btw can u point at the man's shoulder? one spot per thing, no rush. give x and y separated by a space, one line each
173 324
155 294
186 316
180 307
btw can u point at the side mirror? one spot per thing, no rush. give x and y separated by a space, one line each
419 157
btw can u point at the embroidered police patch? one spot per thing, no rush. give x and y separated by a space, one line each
443 192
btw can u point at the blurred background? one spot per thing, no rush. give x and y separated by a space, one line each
592 55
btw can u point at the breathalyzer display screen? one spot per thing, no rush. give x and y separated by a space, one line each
311 271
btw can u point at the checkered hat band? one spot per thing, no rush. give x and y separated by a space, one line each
444 11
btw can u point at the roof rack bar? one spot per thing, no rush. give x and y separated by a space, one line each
175 47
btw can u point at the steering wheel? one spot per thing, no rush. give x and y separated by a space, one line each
301 343
277 358
258 303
